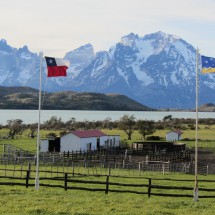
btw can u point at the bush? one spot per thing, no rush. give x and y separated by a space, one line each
153 138
51 135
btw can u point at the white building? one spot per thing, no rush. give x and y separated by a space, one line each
174 135
80 140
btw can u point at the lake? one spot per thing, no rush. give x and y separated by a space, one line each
31 116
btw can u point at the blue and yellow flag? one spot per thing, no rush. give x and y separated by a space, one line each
208 64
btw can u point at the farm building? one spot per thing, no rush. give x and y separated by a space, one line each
155 147
80 140
173 135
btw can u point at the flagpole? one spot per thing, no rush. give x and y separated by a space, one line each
196 142
38 130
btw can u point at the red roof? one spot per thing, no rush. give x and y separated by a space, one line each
178 132
88 133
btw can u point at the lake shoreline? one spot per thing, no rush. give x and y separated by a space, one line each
31 116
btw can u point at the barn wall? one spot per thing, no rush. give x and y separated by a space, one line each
44 146
70 142
116 138
109 141
90 140
172 136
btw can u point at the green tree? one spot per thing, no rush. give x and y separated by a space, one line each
167 118
127 124
146 127
54 123
15 127
168 121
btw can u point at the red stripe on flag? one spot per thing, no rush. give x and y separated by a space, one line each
55 71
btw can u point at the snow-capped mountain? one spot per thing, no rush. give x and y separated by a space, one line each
18 67
157 70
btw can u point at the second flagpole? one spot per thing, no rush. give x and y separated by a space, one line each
37 184
196 142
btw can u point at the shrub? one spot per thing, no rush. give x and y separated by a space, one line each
153 138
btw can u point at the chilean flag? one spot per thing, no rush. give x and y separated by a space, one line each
56 66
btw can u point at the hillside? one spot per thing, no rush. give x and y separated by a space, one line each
27 98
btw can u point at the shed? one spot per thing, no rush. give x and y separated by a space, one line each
80 140
174 135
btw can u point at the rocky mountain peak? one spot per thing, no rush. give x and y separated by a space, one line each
157 70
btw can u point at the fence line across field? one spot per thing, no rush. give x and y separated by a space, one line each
106 183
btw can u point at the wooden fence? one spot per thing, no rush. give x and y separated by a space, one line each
108 183
109 154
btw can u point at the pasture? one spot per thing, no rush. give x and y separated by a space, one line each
54 200
49 200
206 137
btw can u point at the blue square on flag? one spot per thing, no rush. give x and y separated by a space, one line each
208 64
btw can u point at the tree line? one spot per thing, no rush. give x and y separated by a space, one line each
127 123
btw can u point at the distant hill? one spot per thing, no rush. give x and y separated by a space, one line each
207 108
27 98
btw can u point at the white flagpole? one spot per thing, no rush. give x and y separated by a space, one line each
196 142
37 184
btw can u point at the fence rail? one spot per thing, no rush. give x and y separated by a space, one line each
109 183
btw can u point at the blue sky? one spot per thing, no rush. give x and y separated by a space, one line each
58 26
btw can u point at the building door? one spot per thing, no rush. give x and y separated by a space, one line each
54 145
98 144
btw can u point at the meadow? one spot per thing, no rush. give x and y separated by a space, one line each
28 201
206 137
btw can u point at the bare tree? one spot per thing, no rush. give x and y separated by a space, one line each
54 123
33 129
107 123
127 124
71 125
15 127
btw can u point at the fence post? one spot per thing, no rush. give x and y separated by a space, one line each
27 178
29 168
65 181
109 170
73 169
3 150
149 187
107 184
163 167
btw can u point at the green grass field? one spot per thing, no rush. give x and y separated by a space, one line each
19 200
206 137
28 201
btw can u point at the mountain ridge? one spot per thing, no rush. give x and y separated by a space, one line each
157 70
